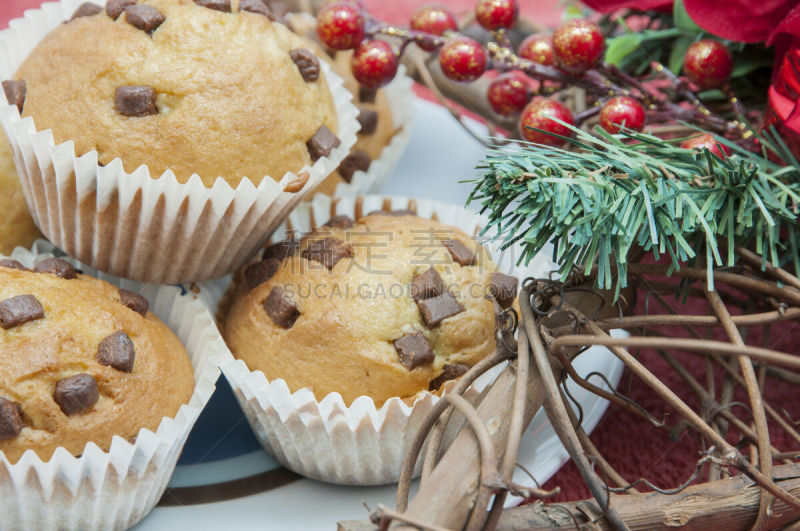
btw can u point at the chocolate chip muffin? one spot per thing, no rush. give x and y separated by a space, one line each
389 306
16 224
375 113
211 87
81 361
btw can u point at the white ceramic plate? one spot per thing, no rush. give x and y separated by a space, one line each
222 451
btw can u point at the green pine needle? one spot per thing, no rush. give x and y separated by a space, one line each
632 191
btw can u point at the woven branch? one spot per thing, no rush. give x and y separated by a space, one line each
557 322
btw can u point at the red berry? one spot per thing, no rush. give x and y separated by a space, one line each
537 48
538 114
374 63
496 14
340 26
708 64
508 93
706 141
619 110
462 59
578 45
433 19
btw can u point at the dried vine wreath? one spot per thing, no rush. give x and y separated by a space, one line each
559 320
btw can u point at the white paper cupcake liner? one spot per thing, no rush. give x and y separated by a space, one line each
325 439
137 225
401 96
114 489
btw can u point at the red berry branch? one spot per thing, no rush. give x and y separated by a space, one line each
530 79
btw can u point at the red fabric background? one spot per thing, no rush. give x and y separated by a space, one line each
633 449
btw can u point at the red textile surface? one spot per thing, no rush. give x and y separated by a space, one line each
633 450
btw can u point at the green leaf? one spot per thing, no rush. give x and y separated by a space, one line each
621 46
635 190
678 53
682 19
745 64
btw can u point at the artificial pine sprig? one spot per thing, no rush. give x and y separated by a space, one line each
634 190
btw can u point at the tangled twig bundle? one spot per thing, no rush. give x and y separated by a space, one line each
749 484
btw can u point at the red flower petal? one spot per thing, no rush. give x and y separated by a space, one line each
739 20
608 6
786 35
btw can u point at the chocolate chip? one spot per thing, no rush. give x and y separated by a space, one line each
328 251
437 309
76 394
86 9
281 250
414 350
355 161
392 213
368 120
281 308
460 252
426 285
13 264
340 222
10 419
366 94
258 273
145 18
114 8
279 8
134 301
19 310
15 93
58 267
307 63
503 288
216 5
322 143
135 100
258 7
117 351
450 371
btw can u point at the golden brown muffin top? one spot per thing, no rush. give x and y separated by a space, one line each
386 307
16 224
81 361
219 93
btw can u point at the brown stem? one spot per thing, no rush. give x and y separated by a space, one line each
729 453
756 401
675 343
747 283
556 413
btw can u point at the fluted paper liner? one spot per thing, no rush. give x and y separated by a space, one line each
137 225
114 489
325 439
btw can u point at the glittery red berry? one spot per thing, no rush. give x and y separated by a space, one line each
340 25
706 141
578 45
508 93
374 63
708 64
537 48
434 19
462 59
622 110
539 114
496 14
